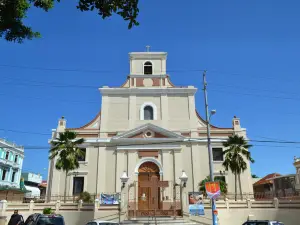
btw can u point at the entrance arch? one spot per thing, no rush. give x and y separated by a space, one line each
148 191
148 159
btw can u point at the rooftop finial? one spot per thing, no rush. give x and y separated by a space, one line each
148 48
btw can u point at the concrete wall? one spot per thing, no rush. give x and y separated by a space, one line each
76 214
229 212
239 216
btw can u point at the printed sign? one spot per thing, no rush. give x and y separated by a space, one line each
213 189
196 206
109 199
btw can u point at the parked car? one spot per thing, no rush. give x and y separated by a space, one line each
101 222
41 219
262 222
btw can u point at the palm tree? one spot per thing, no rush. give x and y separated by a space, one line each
235 155
65 147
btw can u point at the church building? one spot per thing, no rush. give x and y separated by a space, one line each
148 142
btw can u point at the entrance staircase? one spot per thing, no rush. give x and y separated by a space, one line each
158 221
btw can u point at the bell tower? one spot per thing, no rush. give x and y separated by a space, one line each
148 63
148 69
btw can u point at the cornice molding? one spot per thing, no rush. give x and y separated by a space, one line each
132 91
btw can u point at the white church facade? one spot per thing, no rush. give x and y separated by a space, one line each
149 130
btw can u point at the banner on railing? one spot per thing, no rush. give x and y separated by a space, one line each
213 189
110 199
196 206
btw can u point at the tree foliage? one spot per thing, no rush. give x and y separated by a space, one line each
13 12
237 150
66 151
65 147
85 197
47 211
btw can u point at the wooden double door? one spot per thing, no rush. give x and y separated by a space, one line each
149 187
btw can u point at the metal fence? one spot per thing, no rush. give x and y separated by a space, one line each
259 196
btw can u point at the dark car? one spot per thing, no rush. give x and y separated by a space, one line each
262 222
41 219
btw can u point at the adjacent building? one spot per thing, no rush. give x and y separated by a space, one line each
32 182
11 160
149 130
280 186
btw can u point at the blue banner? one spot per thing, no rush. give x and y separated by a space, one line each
196 210
109 199
196 206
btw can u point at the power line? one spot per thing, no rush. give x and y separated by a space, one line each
257 95
55 69
25 132
88 71
32 147
272 140
254 89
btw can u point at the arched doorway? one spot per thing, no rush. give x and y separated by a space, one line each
148 190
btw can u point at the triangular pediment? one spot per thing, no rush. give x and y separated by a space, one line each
148 131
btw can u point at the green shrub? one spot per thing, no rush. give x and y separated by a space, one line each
47 211
85 197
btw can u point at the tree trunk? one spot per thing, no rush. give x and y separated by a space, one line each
235 191
65 192
240 186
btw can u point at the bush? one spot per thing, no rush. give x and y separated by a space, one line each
85 197
47 211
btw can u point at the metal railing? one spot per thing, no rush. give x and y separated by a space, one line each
287 194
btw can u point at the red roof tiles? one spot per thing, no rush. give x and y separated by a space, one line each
265 180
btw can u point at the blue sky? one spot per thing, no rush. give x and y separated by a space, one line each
250 49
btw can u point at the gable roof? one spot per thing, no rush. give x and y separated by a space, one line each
151 127
265 180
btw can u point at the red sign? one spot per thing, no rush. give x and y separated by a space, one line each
215 212
213 189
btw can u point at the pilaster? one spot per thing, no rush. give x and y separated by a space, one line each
164 107
104 115
120 169
192 114
132 111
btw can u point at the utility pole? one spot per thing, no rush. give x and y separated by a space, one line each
211 167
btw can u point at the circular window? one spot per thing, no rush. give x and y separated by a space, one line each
149 134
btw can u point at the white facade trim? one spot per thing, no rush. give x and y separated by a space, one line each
148 75
151 104
147 91
148 159
147 147
78 173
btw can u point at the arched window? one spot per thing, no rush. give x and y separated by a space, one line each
7 155
148 68
148 113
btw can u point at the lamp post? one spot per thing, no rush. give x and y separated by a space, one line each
183 179
124 178
211 169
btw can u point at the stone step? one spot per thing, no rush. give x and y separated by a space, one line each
159 220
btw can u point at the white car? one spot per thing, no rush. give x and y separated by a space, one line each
101 222
262 222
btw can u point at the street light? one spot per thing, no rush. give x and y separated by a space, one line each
124 178
183 178
211 169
